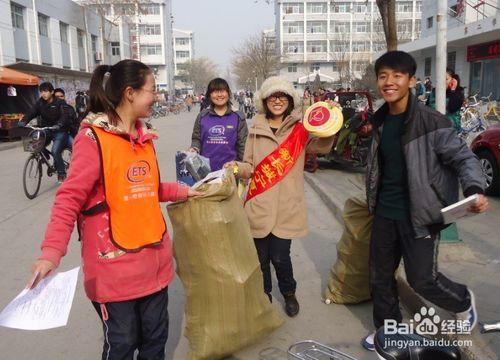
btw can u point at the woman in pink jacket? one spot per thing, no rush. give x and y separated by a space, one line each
113 192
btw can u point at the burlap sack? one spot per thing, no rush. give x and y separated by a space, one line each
226 308
350 275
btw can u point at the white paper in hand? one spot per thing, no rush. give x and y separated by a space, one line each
45 307
459 209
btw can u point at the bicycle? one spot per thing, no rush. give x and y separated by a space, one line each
35 143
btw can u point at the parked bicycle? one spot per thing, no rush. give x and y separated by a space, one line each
35 143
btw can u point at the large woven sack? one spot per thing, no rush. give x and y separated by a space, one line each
350 274
226 308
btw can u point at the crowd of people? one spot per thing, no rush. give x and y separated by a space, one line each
415 163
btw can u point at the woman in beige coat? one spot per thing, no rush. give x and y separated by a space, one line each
280 213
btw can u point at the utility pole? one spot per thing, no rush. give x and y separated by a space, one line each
441 55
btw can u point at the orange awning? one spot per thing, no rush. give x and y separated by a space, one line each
13 77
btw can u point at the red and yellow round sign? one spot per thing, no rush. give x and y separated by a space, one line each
323 119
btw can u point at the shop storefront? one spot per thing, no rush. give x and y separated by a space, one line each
484 62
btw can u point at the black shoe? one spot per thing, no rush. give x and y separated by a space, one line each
291 305
61 178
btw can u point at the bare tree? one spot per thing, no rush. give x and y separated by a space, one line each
255 58
199 72
342 57
125 11
387 9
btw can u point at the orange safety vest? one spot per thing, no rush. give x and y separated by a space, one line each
131 183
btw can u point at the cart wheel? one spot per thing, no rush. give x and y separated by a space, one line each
32 176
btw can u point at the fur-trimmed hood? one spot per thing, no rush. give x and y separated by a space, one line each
272 85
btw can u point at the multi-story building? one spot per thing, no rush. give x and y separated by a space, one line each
150 23
57 41
336 39
183 44
473 44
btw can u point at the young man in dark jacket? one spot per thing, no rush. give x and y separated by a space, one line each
414 166
52 112
74 122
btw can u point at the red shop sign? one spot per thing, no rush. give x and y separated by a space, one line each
483 51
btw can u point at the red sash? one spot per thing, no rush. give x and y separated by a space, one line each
274 167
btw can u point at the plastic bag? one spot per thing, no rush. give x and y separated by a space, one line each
350 275
226 308
191 167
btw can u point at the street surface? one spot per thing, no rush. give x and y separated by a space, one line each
22 225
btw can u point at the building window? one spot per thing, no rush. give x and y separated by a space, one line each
93 40
115 48
150 29
316 27
152 49
314 67
292 68
418 6
379 46
342 8
80 38
182 41
293 27
338 27
404 7
150 9
316 46
360 46
293 47
316 8
182 54
360 27
417 27
427 66
451 60
430 22
291 8
125 9
63 30
340 47
404 27
360 8
43 25
16 13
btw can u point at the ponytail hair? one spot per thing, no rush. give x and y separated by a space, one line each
109 82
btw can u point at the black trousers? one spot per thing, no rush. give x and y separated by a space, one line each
275 250
139 324
391 240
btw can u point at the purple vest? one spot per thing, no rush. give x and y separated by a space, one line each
219 135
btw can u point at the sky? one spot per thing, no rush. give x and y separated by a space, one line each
221 25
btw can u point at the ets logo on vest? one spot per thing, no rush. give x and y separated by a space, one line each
138 172
217 131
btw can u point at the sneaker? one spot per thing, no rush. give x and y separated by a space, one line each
369 342
470 314
291 305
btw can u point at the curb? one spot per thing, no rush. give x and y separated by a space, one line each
10 145
412 301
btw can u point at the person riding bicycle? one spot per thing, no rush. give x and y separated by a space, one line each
73 120
52 113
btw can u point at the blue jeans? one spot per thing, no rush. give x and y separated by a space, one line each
61 141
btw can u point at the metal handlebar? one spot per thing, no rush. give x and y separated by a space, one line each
42 128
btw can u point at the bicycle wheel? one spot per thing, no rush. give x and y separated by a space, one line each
32 176
469 121
66 155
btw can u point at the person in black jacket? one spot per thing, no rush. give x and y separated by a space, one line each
52 112
74 122
414 166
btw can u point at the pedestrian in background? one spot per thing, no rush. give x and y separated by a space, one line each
278 212
219 132
415 164
126 251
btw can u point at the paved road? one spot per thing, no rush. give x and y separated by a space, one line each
22 224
